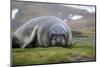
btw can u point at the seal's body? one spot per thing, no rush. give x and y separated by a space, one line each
43 32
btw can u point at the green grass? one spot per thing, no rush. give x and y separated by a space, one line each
89 33
78 52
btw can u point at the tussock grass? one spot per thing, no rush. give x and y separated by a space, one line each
78 52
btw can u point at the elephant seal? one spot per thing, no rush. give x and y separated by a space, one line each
42 32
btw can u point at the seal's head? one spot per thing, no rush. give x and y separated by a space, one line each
58 36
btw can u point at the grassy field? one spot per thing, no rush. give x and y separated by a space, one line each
82 50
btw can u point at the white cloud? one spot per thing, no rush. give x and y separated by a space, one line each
14 12
76 17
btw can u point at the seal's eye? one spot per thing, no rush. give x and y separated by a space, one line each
63 34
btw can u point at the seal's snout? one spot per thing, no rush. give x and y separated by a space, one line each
58 40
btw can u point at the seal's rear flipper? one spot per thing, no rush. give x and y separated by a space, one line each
15 42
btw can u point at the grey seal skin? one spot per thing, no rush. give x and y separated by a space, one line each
43 32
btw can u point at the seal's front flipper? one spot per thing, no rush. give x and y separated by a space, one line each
31 38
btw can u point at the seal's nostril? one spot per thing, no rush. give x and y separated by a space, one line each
58 39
